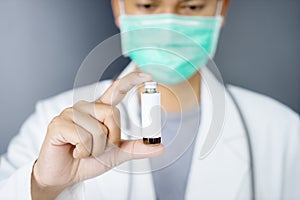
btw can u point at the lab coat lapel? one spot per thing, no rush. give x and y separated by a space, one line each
220 174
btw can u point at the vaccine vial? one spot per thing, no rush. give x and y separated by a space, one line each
151 114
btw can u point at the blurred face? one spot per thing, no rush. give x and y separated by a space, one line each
160 37
180 7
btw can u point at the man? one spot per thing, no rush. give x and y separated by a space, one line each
67 151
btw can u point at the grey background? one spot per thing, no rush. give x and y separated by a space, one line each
42 44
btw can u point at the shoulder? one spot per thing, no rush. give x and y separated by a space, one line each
263 107
267 119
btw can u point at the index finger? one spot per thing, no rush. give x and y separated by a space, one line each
116 92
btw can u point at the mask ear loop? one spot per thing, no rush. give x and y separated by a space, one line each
219 8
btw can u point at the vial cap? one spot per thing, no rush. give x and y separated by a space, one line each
150 85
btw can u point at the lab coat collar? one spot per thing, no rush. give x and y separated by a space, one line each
222 171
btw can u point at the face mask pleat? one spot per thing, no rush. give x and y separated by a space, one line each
170 47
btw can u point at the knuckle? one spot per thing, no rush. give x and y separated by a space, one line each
68 111
55 125
56 121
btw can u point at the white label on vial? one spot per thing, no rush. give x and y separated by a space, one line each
151 115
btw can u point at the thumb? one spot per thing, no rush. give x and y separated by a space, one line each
114 156
136 149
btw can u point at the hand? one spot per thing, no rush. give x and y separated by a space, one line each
84 142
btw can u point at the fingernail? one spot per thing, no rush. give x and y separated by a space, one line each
144 75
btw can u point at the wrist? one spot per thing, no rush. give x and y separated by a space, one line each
40 190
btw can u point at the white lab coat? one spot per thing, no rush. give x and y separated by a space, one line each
224 174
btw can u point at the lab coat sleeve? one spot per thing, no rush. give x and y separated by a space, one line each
17 186
291 178
16 164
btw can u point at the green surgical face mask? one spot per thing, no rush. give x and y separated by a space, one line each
169 47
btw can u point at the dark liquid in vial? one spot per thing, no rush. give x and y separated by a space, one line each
152 140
